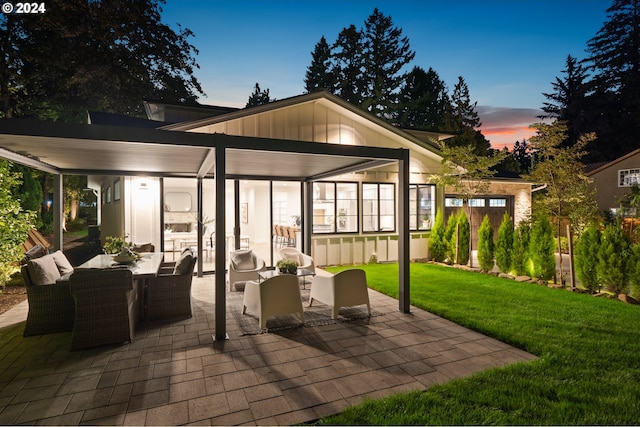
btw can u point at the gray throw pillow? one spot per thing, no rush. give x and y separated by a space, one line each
43 270
63 264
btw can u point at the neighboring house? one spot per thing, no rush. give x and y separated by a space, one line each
354 215
614 180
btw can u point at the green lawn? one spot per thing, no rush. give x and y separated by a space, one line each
589 348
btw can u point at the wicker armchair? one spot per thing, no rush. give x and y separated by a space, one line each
169 295
106 306
51 307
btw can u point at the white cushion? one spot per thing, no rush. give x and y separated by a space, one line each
63 264
183 265
243 259
292 256
43 270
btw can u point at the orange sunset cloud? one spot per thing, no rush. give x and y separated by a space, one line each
504 126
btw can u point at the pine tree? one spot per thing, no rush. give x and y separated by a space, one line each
385 54
541 249
466 121
423 102
504 245
586 258
320 75
568 101
348 69
614 58
485 245
437 245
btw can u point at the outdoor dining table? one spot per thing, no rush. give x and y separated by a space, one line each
146 267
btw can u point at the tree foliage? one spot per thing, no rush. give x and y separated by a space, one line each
504 244
259 97
319 76
485 245
15 222
104 55
423 101
568 193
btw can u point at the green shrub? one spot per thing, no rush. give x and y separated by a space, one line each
485 244
464 237
614 259
520 259
437 245
15 222
449 233
586 258
635 270
504 245
542 249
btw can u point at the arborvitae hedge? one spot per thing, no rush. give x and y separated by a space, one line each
586 258
437 244
485 244
542 249
504 244
521 238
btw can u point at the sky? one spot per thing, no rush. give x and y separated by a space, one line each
508 51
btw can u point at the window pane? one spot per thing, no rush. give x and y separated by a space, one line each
347 202
427 207
323 207
476 203
369 207
450 202
413 207
497 203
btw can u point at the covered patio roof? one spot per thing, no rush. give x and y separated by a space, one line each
77 149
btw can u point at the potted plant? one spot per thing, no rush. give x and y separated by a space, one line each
287 266
121 249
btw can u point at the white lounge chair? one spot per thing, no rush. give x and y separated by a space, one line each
304 261
275 296
345 289
244 265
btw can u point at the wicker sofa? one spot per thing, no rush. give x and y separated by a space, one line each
51 306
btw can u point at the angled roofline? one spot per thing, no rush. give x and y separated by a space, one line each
323 94
613 162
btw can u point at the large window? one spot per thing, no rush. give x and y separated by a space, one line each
422 206
628 177
378 207
335 207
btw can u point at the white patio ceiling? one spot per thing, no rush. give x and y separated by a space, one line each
109 150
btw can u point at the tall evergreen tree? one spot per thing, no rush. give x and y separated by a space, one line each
347 53
614 58
465 120
567 102
320 75
485 245
423 101
385 54
504 244
93 55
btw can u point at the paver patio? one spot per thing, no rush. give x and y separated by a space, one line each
173 373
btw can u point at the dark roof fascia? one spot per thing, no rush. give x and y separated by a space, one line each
283 103
613 162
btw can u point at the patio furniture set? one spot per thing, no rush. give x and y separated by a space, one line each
273 293
101 301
